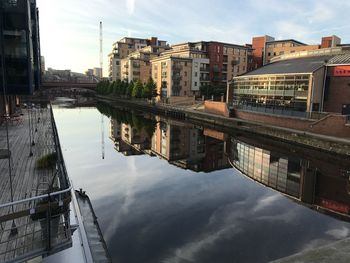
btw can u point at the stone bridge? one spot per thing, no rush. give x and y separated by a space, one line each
68 85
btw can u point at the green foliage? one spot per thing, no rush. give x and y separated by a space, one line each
132 89
137 89
150 89
47 161
126 116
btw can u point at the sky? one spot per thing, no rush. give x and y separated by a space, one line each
69 29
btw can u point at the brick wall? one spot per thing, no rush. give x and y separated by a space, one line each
332 125
337 94
215 107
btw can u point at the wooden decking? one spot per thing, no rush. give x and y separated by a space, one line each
27 180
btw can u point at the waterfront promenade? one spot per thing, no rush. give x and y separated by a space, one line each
23 230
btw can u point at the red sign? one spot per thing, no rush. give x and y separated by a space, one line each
335 206
341 71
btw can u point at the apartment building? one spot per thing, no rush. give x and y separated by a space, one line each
172 75
122 48
266 48
223 61
281 47
137 66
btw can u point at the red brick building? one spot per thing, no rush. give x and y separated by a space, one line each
337 86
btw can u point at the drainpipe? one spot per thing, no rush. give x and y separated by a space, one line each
312 94
324 85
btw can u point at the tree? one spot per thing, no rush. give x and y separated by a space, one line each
129 88
137 90
150 89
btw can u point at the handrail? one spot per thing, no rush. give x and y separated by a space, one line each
37 197
62 167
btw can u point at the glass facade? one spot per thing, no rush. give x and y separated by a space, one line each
269 168
278 94
20 46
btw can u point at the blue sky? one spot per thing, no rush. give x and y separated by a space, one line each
70 28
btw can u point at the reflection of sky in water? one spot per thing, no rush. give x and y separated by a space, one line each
151 211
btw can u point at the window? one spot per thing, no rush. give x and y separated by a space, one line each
269 54
185 73
195 83
185 83
196 74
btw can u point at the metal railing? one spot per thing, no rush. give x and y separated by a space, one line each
279 110
39 225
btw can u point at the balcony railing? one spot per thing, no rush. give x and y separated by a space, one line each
207 69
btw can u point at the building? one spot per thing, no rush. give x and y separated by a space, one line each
337 89
137 66
266 48
172 75
279 47
222 61
289 87
213 63
98 72
122 48
20 49
258 46
331 41
21 46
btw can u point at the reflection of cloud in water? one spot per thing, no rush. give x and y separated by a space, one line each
220 212
339 233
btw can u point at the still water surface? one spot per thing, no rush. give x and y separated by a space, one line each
166 190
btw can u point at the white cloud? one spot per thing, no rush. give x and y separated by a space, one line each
130 5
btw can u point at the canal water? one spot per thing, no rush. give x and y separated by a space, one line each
166 190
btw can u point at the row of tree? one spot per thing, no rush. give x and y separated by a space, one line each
132 89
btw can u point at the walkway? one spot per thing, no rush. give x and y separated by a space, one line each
27 181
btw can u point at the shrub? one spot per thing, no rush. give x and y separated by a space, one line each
46 161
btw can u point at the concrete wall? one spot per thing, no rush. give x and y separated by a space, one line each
332 125
181 100
215 107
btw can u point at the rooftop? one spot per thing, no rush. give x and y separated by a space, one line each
299 65
340 59
286 40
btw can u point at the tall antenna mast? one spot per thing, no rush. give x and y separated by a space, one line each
102 122
101 52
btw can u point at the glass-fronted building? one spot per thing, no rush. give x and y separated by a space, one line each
291 87
20 46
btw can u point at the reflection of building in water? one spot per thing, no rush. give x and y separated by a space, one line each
318 184
118 131
179 143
